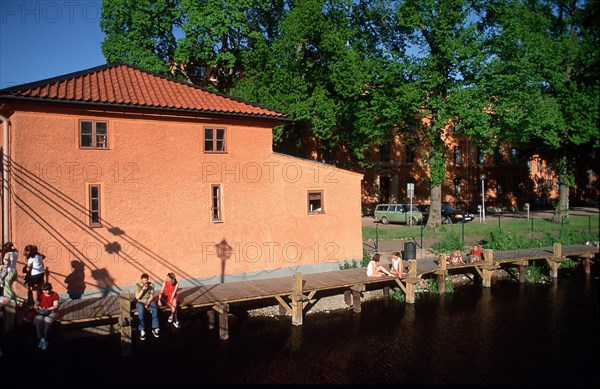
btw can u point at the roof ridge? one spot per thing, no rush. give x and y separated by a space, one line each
122 83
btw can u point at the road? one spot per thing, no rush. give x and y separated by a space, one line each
368 221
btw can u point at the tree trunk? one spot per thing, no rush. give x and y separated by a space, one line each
435 208
561 212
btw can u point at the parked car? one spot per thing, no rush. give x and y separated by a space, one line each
398 213
449 214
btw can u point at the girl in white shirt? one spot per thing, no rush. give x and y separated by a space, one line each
374 269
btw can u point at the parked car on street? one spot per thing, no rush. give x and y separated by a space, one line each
398 213
449 214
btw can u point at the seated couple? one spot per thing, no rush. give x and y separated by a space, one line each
374 269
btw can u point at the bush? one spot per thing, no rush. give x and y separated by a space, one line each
433 286
349 265
448 243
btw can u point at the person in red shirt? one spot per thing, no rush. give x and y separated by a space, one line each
476 253
46 313
168 296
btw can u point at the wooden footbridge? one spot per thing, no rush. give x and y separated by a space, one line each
295 295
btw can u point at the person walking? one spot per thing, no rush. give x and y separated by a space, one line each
168 296
144 295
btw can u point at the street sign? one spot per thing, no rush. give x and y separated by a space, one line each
410 189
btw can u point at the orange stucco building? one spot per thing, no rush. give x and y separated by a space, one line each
115 171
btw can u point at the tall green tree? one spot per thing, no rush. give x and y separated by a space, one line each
441 69
140 32
545 74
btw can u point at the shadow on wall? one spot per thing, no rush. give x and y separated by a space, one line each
75 281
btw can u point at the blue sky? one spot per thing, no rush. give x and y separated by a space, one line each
44 39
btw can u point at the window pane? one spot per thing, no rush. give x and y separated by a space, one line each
220 145
86 127
220 139
208 139
86 140
101 135
101 128
315 202
216 203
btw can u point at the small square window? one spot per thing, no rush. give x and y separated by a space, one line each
93 135
214 140
315 202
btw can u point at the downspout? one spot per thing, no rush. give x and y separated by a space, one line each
5 235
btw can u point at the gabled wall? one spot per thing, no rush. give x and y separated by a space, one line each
156 213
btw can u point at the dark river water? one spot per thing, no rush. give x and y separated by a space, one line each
508 334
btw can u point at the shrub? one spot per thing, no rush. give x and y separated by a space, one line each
448 243
433 285
349 265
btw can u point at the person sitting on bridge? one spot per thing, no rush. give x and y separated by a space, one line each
456 258
476 253
144 295
374 269
46 313
397 267
168 296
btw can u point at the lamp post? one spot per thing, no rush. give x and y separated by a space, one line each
482 178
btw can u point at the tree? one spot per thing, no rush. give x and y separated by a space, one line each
545 75
441 79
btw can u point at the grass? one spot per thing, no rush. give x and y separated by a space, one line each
587 224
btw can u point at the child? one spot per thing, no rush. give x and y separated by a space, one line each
169 297
374 269
397 266
476 253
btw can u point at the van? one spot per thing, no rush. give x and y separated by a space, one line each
398 213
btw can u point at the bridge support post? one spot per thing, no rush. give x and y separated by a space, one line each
211 319
488 268
411 280
348 297
587 264
298 299
556 259
356 291
522 265
223 310
441 273
125 321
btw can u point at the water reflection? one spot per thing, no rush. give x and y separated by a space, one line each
509 334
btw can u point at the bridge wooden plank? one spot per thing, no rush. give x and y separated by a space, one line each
230 292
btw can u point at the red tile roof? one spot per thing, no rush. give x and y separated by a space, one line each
125 85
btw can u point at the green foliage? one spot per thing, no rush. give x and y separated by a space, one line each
568 263
433 285
535 273
448 243
398 295
507 240
365 259
349 265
